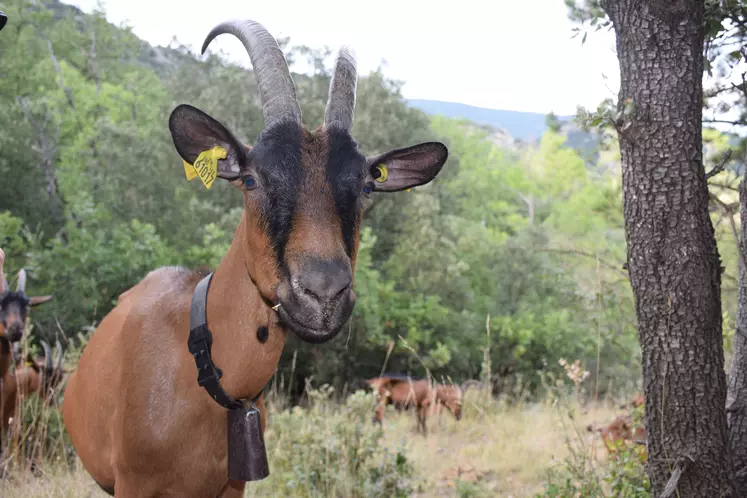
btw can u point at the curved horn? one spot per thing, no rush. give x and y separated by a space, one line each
3 281
341 102
276 88
48 366
21 287
58 356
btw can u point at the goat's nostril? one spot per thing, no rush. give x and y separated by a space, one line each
325 290
325 281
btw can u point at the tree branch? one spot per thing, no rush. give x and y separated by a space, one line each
68 92
725 121
730 214
613 267
674 479
719 167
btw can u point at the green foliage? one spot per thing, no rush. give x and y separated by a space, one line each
324 450
96 264
579 474
532 236
576 475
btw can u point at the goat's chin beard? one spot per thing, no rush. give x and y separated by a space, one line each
305 333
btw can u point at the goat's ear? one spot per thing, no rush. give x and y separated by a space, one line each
401 169
37 300
194 132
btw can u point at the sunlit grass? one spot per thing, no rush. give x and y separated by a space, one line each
54 481
498 450
495 450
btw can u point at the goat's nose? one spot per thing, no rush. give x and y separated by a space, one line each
14 333
324 279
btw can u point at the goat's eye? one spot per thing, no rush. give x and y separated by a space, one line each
250 183
367 188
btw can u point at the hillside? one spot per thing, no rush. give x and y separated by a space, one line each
508 128
524 126
511 128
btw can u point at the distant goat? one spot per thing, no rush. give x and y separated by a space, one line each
14 309
41 375
620 430
405 392
637 401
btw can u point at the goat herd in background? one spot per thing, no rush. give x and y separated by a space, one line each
135 407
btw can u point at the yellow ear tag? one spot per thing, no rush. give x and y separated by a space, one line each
206 166
29 363
383 173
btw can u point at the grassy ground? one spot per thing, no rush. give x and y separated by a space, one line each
504 452
493 451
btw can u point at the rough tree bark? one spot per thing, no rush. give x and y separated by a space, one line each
737 394
673 260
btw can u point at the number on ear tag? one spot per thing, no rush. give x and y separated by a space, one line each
205 166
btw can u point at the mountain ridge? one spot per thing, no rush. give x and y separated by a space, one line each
521 125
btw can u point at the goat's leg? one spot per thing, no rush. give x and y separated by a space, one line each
233 489
379 414
422 414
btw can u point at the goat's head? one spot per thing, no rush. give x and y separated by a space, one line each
451 397
14 305
304 192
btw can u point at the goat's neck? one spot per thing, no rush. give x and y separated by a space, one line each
235 312
5 357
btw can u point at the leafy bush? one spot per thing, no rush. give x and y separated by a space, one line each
576 476
332 450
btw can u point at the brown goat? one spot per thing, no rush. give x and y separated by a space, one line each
140 423
637 401
404 392
14 308
620 430
40 375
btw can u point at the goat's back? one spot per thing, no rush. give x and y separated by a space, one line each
129 365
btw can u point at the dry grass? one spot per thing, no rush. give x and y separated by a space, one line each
507 449
53 482
501 451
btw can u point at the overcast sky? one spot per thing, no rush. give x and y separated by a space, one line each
496 54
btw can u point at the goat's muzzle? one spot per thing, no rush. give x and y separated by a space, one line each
14 332
317 300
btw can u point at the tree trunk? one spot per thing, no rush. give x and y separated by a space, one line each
673 260
737 395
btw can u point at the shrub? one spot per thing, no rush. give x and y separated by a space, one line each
334 450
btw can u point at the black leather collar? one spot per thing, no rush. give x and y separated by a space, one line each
200 343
